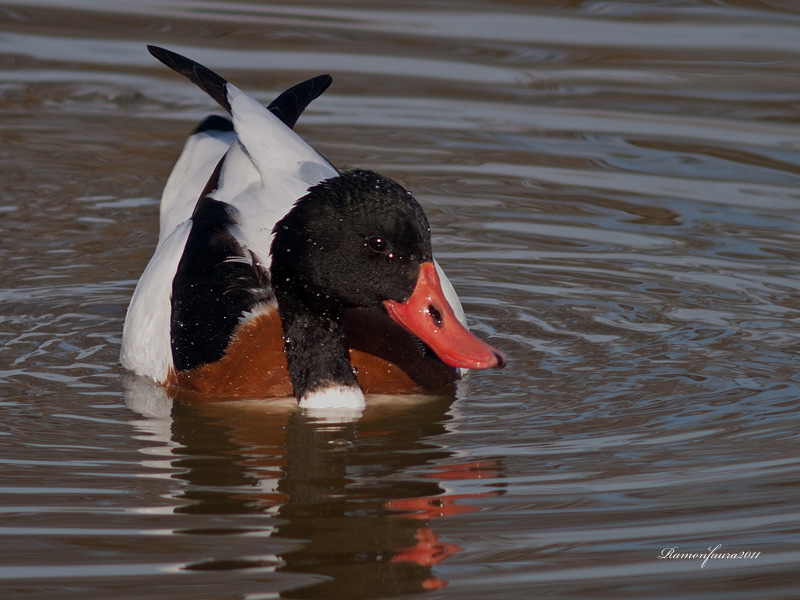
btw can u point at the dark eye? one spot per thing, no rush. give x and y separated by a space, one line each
378 244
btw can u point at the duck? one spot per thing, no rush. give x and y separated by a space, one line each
276 274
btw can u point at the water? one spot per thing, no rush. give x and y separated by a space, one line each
613 191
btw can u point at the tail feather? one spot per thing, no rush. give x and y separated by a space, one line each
290 104
211 83
287 107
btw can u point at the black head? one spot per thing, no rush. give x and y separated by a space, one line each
354 240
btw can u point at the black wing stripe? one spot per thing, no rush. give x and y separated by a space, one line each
216 282
214 123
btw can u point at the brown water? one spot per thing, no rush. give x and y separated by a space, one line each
613 191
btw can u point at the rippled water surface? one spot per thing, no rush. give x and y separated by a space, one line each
613 191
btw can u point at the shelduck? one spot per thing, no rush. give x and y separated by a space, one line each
276 274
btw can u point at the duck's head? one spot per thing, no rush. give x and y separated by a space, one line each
361 239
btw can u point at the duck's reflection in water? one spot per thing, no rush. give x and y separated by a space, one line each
356 500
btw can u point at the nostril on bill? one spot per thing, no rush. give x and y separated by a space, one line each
435 315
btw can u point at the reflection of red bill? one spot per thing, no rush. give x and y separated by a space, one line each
428 315
433 583
427 552
431 507
479 469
